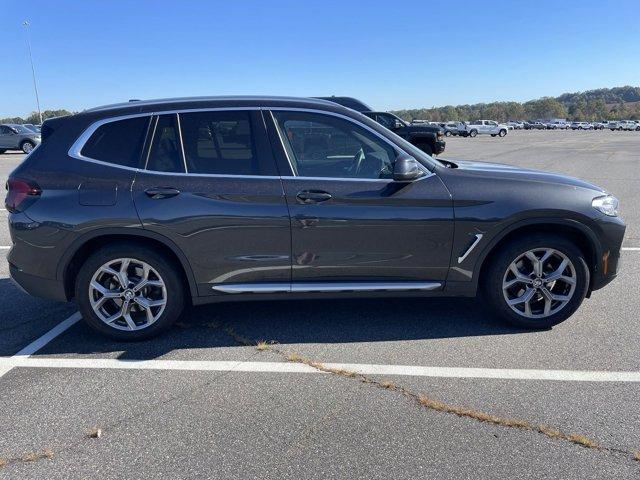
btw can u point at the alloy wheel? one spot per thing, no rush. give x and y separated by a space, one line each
127 294
27 147
539 283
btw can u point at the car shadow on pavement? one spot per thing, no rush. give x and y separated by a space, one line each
298 322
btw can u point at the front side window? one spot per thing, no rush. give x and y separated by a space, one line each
219 142
119 142
322 145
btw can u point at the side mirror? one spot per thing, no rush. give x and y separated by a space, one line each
397 124
406 169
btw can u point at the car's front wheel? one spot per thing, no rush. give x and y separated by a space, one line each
129 292
502 133
537 282
473 133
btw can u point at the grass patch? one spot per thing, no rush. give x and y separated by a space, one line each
262 346
636 456
94 432
3 462
582 440
35 456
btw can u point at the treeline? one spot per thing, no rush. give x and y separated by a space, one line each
34 119
620 103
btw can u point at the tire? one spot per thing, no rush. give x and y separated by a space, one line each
493 134
161 271
502 133
27 146
447 133
498 272
473 133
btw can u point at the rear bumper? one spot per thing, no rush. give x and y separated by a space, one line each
38 286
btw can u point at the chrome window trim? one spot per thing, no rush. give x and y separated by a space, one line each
306 287
76 148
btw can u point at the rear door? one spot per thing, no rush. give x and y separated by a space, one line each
351 223
211 186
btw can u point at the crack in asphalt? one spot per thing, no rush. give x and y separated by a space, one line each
429 403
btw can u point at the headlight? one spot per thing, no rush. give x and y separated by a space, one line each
606 204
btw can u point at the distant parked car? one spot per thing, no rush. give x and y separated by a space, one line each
428 138
489 127
453 128
539 126
612 125
558 125
516 125
628 125
581 126
18 137
598 125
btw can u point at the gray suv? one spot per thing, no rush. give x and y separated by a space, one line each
18 137
136 210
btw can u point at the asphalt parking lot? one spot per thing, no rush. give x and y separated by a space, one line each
342 389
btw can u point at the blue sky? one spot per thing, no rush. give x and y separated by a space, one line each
391 54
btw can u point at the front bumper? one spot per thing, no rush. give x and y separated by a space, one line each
439 146
611 234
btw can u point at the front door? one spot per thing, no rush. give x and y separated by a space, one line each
211 186
350 221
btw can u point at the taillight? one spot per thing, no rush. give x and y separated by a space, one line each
21 194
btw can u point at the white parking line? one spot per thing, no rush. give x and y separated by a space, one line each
289 367
40 342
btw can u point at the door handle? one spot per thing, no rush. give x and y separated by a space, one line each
313 196
157 193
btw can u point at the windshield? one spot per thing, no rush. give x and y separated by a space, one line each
21 129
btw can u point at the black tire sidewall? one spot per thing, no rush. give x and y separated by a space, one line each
492 281
166 269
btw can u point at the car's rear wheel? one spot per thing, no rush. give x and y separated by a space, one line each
447 133
129 292
27 146
537 282
473 133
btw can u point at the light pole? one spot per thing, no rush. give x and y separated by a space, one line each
25 24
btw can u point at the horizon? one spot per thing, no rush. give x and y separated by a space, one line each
314 49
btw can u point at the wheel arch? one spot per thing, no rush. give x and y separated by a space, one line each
82 247
578 232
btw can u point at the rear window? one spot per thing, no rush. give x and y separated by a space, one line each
119 142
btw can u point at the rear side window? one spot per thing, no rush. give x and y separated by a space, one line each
165 154
119 142
220 142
